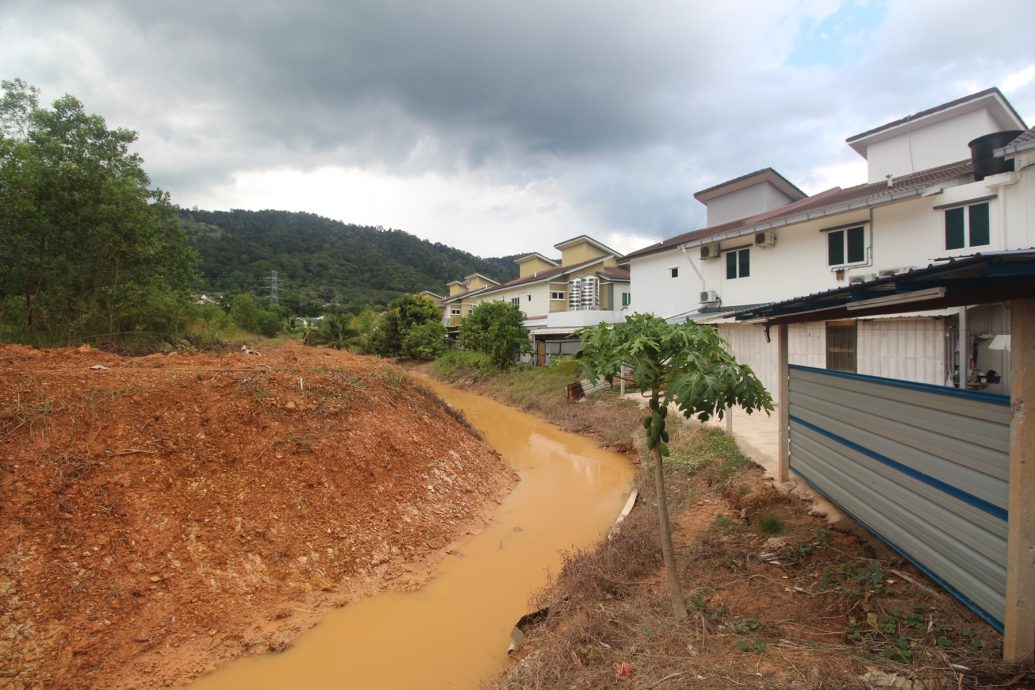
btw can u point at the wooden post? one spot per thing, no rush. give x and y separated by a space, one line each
783 472
1019 623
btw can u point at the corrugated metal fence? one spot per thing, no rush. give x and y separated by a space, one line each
924 467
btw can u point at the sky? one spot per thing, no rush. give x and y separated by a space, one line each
503 127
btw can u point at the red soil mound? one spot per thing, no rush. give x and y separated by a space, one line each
162 513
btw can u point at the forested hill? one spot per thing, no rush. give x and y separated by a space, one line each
320 261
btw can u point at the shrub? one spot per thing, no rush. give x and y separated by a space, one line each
426 341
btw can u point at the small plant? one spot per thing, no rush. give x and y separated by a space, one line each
721 523
770 523
756 644
744 626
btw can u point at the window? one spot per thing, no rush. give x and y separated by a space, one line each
530 298
626 299
675 272
966 226
454 311
557 294
846 246
516 301
738 263
841 337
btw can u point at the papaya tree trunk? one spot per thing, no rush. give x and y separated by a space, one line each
671 575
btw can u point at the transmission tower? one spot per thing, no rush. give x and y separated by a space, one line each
274 289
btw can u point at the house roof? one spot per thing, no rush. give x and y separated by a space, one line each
585 238
1000 108
830 202
614 274
483 277
536 255
1025 142
429 293
973 279
744 181
466 293
549 274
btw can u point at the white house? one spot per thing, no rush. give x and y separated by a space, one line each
928 197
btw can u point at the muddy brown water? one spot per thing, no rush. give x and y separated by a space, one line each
454 631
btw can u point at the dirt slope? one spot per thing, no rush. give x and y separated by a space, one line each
164 513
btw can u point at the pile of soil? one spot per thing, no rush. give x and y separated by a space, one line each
161 514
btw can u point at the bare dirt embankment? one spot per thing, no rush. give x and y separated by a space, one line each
161 514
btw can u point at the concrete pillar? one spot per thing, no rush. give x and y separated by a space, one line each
783 473
1019 638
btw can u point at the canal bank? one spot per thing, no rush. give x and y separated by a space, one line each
453 632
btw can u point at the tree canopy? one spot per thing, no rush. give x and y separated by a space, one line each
683 364
88 249
494 327
403 315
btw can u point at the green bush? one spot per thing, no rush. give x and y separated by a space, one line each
464 364
495 329
426 341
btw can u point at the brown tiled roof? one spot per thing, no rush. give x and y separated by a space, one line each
762 176
614 274
461 295
547 274
860 196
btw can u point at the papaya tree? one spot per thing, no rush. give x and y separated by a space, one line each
685 365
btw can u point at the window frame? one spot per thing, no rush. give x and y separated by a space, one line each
741 267
967 216
516 301
673 271
626 299
554 296
839 353
845 246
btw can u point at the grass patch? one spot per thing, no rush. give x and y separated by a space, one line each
770 523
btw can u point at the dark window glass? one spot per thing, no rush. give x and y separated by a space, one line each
836 248
744 259
841 338
856 245
675 272
731 265
978 225
954 228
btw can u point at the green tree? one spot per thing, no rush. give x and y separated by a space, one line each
335 331
495 328
248 314
87 248
426 341
403 315
367 323
686 364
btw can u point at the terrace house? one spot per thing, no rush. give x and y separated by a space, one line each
950 181
557 297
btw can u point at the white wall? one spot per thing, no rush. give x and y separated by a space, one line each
928 147
538 305
745 202
655 291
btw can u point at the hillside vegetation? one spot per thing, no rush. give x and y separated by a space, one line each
321 261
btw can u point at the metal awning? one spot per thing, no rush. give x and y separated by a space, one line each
974 279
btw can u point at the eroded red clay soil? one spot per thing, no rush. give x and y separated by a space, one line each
165 513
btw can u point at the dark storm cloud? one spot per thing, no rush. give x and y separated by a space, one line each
629 107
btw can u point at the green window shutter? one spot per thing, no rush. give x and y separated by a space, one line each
856 245
954 228
836 248
744 259
731 265
978 225
626 297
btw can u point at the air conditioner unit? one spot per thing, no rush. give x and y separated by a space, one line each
709 297
861 278
765 239
884 273
710 251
